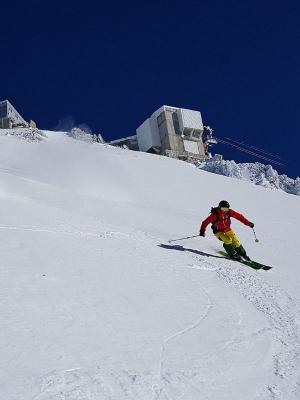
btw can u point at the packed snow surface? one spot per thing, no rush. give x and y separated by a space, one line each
257 173
96 304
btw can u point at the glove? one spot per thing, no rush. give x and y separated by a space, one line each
202 233
251 225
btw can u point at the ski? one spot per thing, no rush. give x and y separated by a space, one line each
252 264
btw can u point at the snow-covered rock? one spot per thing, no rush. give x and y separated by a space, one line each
85 136
28 134
258 173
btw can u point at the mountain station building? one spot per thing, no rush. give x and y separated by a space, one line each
9 116
173 132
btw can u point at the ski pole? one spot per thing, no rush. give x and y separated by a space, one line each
187 237
256 240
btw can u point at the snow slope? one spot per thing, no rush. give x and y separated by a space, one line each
96 304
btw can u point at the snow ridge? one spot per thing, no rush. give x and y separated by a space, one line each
258 173
28 134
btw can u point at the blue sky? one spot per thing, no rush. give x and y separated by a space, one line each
111 64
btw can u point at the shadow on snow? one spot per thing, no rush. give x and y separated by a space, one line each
181 248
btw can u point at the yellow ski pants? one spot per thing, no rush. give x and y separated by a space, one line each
228 238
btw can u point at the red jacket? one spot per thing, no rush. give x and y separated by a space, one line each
221 220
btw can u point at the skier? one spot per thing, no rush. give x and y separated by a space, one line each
220 220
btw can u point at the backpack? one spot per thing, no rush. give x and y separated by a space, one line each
215 211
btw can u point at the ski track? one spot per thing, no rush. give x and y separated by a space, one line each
98 382
101 382
107 234
285 330
283 319
160 389
136 235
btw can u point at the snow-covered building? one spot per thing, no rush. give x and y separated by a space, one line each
9 116
174 132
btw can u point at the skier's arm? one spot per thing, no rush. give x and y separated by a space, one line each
241 218
209 220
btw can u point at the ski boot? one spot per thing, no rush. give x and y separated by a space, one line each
236 257
232 253
242 253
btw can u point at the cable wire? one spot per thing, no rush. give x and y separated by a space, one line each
239 147
254 148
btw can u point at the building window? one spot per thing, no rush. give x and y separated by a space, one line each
176 123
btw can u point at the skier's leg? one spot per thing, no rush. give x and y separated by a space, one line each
240 250
238 246
224 237
227 243
230 250
234 239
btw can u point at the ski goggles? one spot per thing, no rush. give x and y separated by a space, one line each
225 209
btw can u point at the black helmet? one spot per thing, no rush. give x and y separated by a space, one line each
224 203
